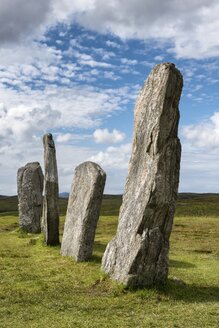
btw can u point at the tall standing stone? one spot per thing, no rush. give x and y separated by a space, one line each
138 255
83 211
30 198
50 220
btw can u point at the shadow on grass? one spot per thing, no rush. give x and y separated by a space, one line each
3 214
190 293
99 249
181 264
174 289
96 259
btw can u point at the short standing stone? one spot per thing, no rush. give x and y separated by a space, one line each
138 255
83 211
30 199
50 220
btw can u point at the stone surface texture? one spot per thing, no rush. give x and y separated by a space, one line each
138 255
30 197
50 219
83 211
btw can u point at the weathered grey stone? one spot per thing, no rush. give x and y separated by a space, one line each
83 211
138 255
50 219
30 198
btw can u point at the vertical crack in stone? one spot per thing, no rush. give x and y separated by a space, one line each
138 254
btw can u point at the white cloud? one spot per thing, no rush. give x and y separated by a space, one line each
148 64
159 58
204 135
111 75
32 107
113 157
28 112
184 23
127 61
22 123
94 63
33 111
64 137
113 44
199 170
104 136
105 55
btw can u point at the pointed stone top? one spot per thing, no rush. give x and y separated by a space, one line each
48 140
138 255
167 65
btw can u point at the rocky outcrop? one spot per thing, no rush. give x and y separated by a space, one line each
138 255
83 211
30 199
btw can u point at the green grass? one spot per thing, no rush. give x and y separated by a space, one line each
40 288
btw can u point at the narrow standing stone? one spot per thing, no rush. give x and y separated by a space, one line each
50 220
30 198
138 255
83 211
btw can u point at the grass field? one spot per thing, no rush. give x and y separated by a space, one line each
40 288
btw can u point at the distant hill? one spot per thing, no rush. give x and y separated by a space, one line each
190 195
112 203
64 195
3 196
8 204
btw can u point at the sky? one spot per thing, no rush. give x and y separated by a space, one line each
75 68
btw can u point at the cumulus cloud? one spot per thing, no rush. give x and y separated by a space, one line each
185 23
30 107
204 135
113 157
114 160
28 54
22 123
64 137
104 136
182 23
31 112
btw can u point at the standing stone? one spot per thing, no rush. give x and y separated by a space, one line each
30 198
83 211
50 220
138 255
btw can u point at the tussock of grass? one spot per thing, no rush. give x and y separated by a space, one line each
40 288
